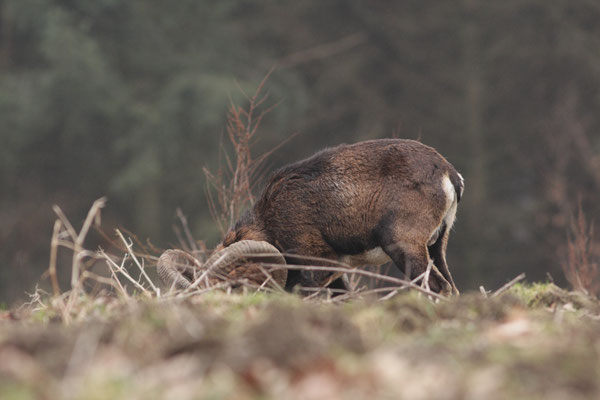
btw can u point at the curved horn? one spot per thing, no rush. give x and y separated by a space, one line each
223 262
176 268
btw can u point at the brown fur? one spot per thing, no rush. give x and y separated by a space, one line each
353 198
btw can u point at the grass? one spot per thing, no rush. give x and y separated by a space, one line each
534 341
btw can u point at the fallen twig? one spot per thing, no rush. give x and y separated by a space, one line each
483 291
121 269
53 254
351 270
129 246
508 285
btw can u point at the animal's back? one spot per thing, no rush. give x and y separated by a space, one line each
340 194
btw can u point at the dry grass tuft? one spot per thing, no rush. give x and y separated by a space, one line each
581 267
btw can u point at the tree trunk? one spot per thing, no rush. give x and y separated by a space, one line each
475 173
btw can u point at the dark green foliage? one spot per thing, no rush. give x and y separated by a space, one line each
128 99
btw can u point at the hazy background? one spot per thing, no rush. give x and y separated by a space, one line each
128 98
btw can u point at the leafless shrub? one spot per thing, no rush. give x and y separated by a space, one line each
229 189
65 236
580 266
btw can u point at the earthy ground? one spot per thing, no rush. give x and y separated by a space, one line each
534 342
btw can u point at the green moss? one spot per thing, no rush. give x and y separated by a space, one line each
154 317
474 307
530 293
16 391
548 295
108 388
45 315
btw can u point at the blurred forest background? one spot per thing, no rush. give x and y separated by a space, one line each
128 98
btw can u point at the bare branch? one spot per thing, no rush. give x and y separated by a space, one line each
129 245
508 285
53 254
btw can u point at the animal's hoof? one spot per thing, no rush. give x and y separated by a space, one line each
447 291
440 285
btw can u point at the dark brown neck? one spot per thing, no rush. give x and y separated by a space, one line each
247 228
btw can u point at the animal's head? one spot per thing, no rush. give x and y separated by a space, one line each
244 259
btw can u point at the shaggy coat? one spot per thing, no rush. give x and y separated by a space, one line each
363 204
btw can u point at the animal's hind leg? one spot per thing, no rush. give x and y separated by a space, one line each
413 260
437 251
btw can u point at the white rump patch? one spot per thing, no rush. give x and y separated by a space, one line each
450 213
462 184
449 191
450 216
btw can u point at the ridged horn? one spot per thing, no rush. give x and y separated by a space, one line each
176 268
224 261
